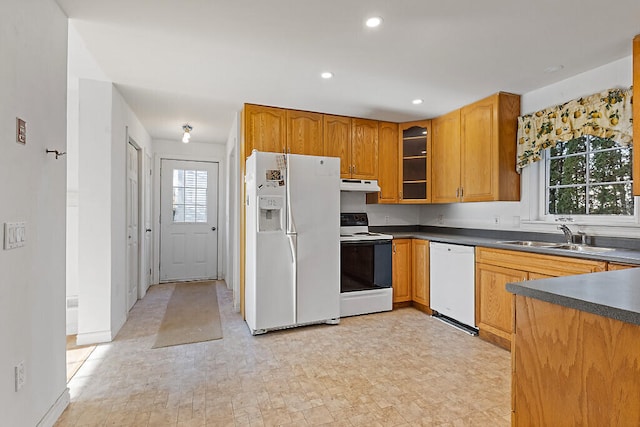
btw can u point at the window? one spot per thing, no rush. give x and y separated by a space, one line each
189 196
589 176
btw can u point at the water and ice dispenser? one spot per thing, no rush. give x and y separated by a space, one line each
270 217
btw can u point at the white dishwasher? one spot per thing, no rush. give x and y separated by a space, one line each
452 282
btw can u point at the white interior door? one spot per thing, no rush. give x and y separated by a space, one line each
189 220
133 271
148 250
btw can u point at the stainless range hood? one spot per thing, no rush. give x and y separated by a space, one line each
365 185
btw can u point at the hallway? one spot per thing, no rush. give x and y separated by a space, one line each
396 368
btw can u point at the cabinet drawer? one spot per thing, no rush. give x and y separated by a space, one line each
549 265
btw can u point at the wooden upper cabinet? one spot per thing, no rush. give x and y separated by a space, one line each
474 152
387 164
488 149
304 133
445 158
364 149
414 166
636 117
337 141
265 129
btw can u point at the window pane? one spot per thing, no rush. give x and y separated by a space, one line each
190 179
201 196
189 213
563 148
201 214
201 177
567 170
571 200
613 199
178 178
178 213
178 196
610 166
190 196
601 143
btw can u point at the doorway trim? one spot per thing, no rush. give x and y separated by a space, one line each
140 231
222 235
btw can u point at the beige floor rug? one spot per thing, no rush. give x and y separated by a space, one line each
191 316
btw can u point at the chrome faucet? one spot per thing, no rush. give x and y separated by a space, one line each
567 233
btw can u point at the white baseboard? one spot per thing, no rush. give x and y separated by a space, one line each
93 337
56 410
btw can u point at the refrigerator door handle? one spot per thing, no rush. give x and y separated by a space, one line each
291 227
293 245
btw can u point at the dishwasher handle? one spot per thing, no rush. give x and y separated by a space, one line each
451 248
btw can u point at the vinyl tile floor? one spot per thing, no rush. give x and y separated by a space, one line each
399 368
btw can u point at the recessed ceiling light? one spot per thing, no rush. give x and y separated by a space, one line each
553 68
326 75
374 21
417 101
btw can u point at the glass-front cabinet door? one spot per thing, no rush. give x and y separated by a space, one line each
415 162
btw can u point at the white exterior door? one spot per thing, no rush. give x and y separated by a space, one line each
189 220
133 271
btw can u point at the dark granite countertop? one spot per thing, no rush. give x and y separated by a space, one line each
627 251
612 294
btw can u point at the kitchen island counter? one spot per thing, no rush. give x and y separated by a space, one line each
612 294
575 358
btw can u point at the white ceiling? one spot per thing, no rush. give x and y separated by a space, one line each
198 61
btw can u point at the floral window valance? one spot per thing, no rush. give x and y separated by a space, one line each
606 114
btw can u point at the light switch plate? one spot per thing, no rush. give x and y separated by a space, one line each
15 234
21 131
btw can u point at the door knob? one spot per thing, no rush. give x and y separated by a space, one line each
213 229
148 230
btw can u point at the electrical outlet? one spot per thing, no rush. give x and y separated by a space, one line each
20 375
496 220
440 219
386 219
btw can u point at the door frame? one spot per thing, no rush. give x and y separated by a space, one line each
140 254
220 214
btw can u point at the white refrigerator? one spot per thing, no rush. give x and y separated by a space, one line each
292 263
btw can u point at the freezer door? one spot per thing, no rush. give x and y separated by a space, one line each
269 281
314 190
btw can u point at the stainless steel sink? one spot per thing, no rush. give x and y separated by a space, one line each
583 248
531 244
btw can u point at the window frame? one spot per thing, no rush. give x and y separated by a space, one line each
539 171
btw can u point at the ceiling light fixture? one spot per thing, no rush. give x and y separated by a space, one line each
374 21
326 75
417 101
187 133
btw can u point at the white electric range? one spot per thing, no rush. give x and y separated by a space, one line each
365 267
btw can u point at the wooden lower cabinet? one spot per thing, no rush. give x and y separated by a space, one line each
615 266
573 368
411 274
494 311
420 275
401 266
497 267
